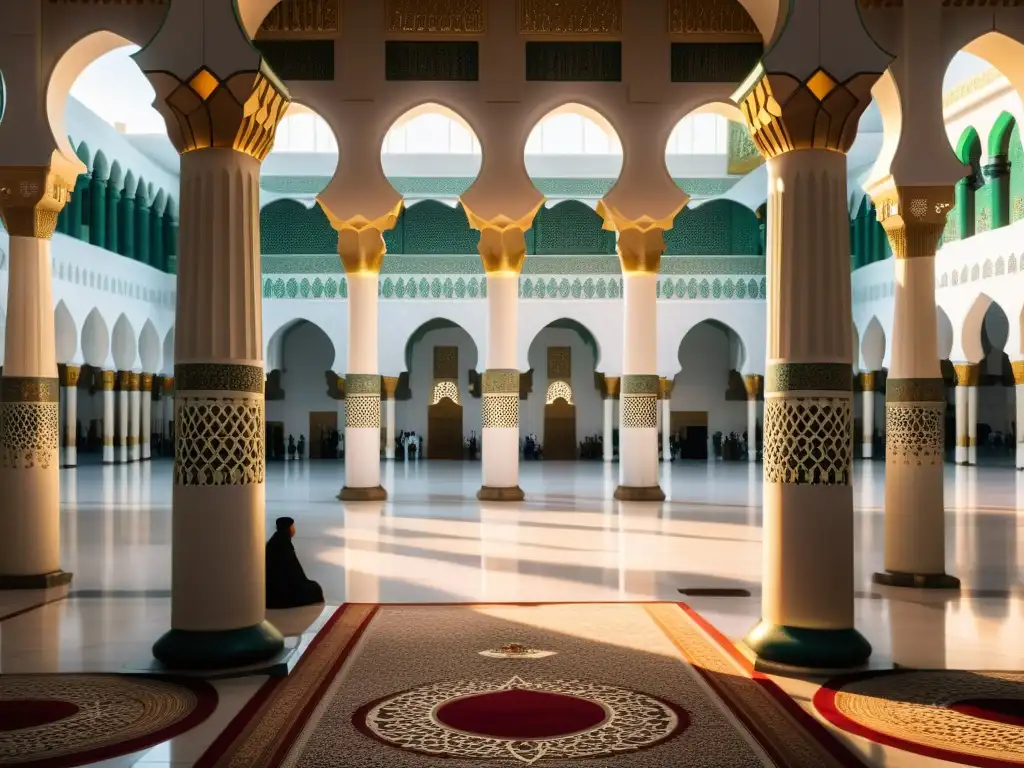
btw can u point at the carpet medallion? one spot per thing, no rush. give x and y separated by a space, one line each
70 720
625 685
970 718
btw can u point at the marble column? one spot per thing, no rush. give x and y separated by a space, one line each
640 256
1018 380
754 384
966 399
611 391
30 200
124 387
915 395
107 381
867 443
665 393
69 395
167 424
134 417
807 605
219 495
502 255
390 384
362 253
146 415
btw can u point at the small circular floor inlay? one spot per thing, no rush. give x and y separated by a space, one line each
969 718
61 721
522 720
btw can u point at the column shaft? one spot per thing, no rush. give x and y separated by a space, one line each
972 425
867 382
146 419
390 385
915 398
666 427
29 419
608 424
108 378
134 419
1018 380
123 418
500 397
69 395
808 581
638 401
754 384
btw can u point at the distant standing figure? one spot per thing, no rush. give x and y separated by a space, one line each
291 447
287 585
302 446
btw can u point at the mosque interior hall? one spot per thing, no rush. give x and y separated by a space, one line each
420 383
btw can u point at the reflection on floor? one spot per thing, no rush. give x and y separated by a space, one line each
434 542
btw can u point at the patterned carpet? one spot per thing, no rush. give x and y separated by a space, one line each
59 721
625 685
970 718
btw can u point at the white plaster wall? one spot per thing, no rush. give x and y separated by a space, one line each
589 408
307 353
981 110
707 358
411 415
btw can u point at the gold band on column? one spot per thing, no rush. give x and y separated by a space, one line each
69 375
500 399
146 382
868 381
29 422
967 374
1018 371
107 381
754 384
362 401
390 385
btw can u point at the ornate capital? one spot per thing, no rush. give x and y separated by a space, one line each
107 381
868 381
167 385
611 385
390 384
124 380
967 374
134 381
69 375
640 250
361 250
913 217
754 384
1018 371
239 111
146 382
665 388
31 197
502 244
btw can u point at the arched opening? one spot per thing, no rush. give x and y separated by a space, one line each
708 413
996 414
149 348
872 346
168 358
123 345
562 414
65 334
431 140
441 361
303 410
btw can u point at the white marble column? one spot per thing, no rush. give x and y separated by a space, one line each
966 399
640 255
167 398
69 396
1018 380
867 383
915 397
666 419
390 384
30 199
134 417
608 426
754 384
500 396
146 417
109 416
123 409
808 579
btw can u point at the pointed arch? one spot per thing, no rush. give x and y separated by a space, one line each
95 339
168 358
438 324
65 334
945 333
123 345
872 346
149 348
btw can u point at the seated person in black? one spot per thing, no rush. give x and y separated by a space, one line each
287 585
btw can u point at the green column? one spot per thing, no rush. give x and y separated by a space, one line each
156 232
114 185
126 231
964 208
997 178
171 235
863 243
142 223
78 207
98 200
62 220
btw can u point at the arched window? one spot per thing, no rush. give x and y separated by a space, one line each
445 388
570 133
706 134
305 133
558 390
968 151
431 134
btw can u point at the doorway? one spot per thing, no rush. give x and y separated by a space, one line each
444 430
560 431
275 440
323 425
690 429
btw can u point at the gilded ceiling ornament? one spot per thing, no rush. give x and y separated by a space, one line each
436 16
570 17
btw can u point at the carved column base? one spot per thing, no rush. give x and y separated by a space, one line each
488 493
804 648
649 493
363 494
220 649
41 581
916 580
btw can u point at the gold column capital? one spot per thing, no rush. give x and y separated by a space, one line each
390 384
107 380
754 384
361 250
665 388
502 245
167 385
69 375
868 381
31 197
967 374
1018 371
146 382
913 216
239 111
641 240
134 380
341 386
611 386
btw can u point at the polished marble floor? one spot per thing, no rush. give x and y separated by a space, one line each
434 542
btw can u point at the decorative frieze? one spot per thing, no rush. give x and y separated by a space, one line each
560 363
447 17
710 17
446 362
301 17
570 17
